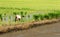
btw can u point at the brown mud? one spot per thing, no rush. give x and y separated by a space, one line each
27 25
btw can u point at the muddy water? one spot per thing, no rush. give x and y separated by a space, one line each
51 30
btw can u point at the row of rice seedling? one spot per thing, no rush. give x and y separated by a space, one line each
28 15
50 15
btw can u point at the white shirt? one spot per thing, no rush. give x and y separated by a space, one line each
18 16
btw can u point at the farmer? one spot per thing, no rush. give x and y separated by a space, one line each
17 17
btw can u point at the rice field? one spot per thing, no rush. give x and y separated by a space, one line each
33 4
7 15
32 10
30 7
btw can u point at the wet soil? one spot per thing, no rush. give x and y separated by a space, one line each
48 30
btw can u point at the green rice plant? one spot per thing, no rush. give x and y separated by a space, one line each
14 13
22 13
25 13
41 17
36 17
54 15
46 16
57 15
51 15
1 17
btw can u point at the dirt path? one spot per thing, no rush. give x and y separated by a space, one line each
51 30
